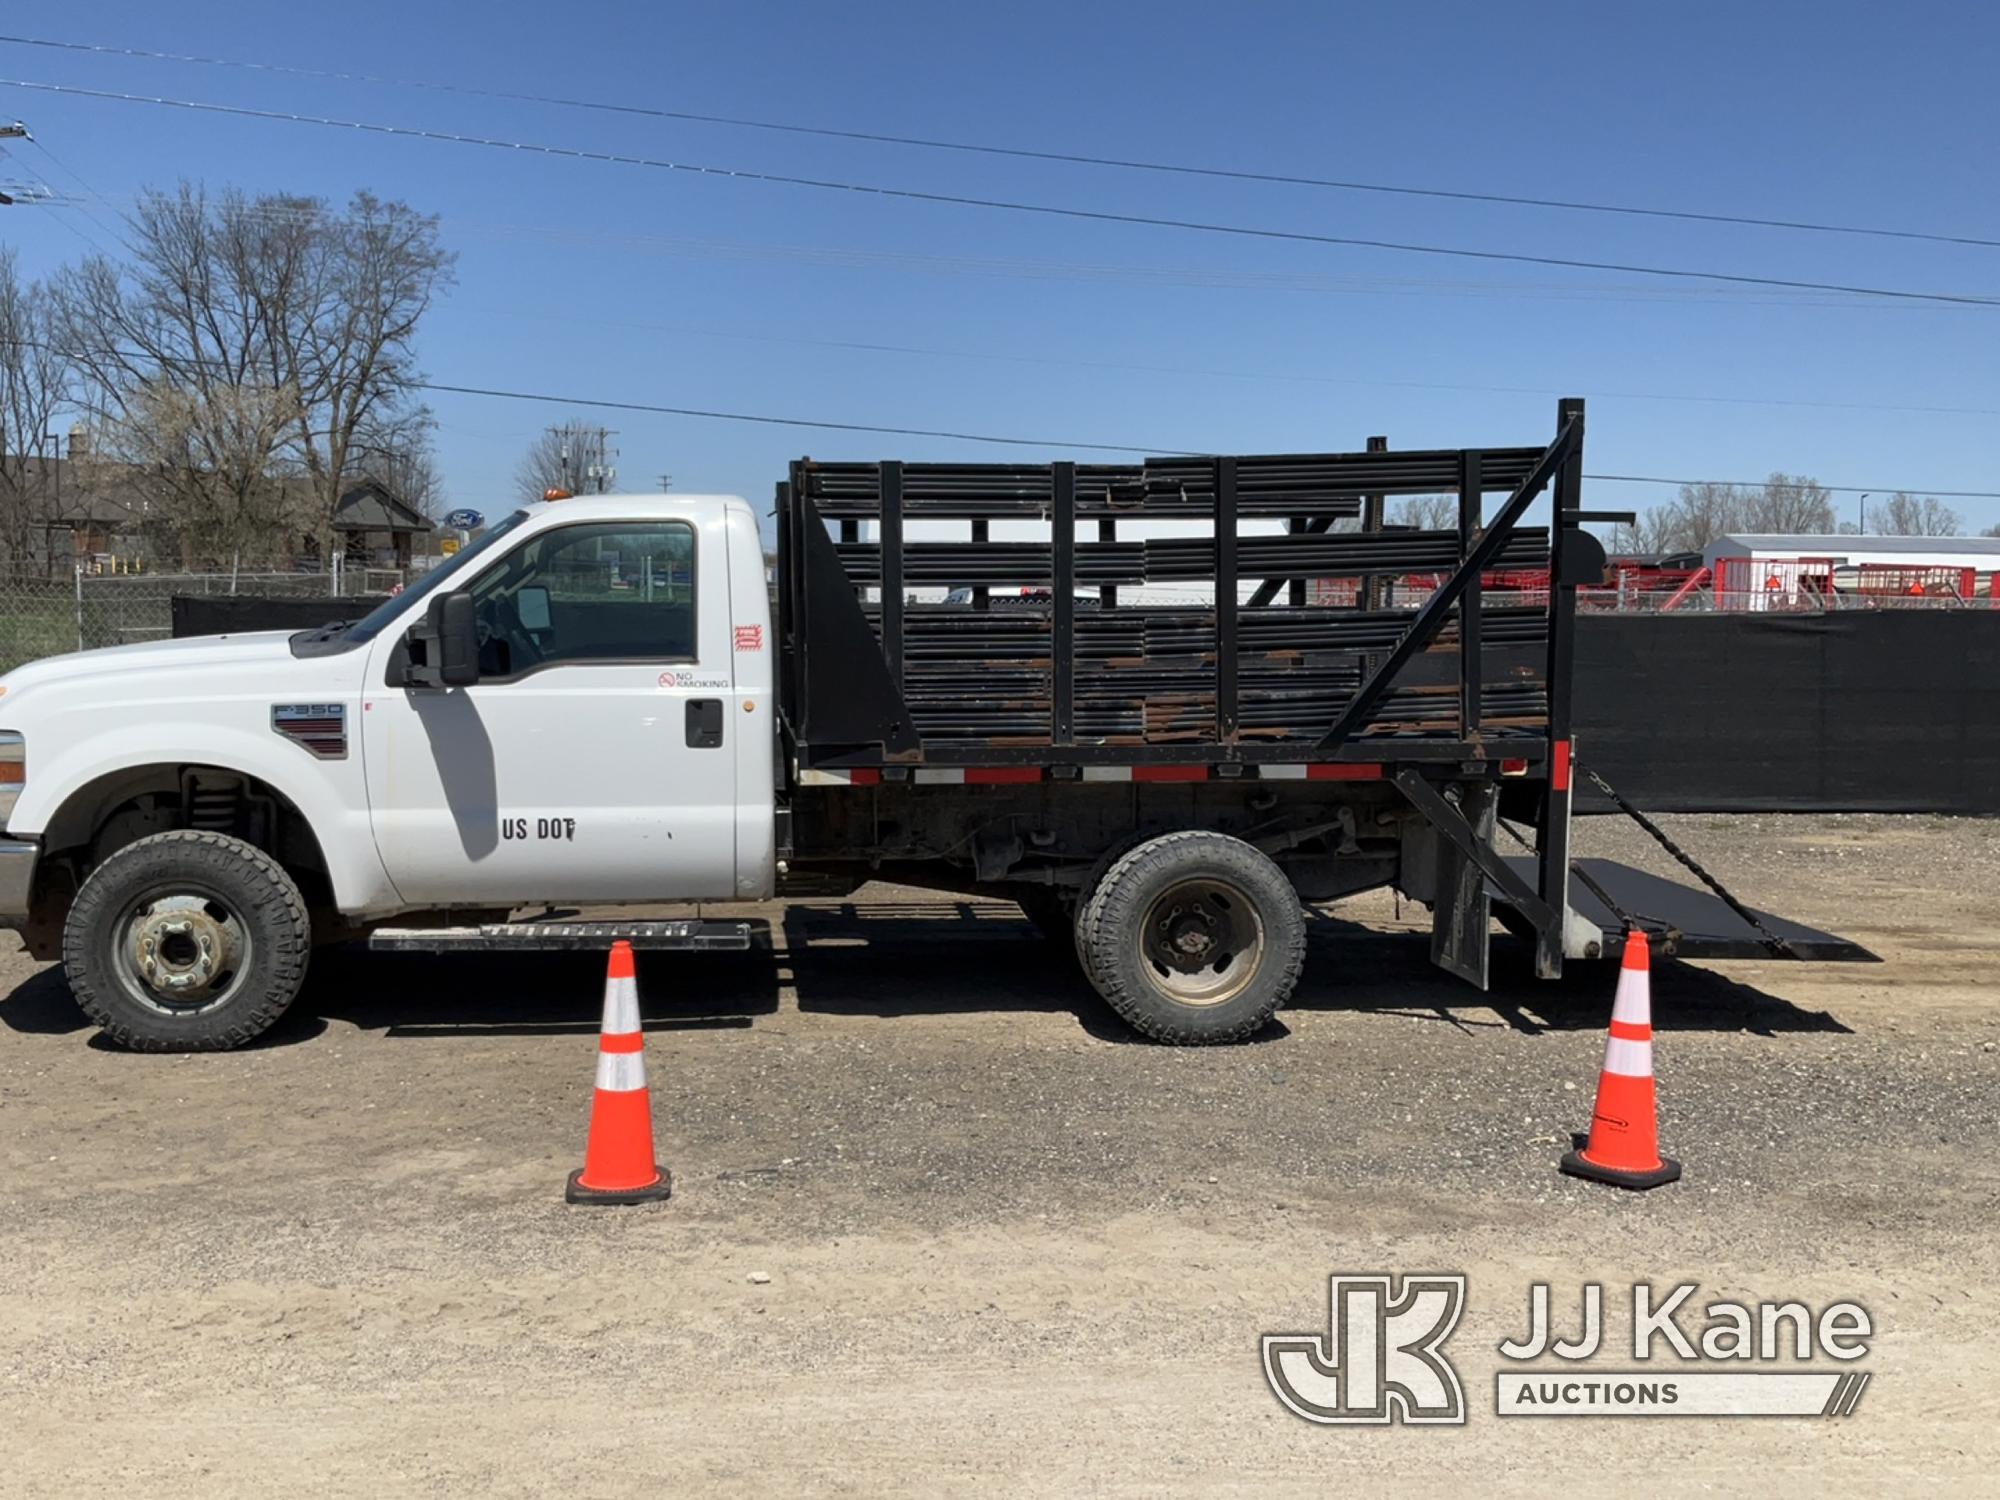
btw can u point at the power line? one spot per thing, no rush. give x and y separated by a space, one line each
963 200
770 421
765 419
1193 276
1019 152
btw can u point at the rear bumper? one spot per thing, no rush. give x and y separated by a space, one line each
17 879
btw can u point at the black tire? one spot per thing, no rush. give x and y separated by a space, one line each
1194 938
1092 884
203 911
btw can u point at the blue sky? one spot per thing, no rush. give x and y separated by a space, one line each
598 280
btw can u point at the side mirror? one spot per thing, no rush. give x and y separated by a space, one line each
531 607
456 635
443 647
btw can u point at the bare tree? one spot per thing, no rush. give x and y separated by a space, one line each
1791 505
36 383
345 295
399 457
1912 515
1427 512
298 308
572 458
1785 504
206 461
172 352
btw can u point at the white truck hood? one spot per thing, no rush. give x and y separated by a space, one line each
176 674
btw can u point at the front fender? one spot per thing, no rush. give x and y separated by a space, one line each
330 794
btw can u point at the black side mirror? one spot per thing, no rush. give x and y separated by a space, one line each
444 645
457 635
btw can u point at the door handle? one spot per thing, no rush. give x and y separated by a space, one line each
704 723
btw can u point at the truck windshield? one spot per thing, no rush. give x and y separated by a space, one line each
370 625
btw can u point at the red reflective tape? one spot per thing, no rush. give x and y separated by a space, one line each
1344 771
1632 1031
1170 773
619 1041
864 777
1559 766
994 775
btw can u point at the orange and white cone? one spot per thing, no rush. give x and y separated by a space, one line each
1624 1145
618 1164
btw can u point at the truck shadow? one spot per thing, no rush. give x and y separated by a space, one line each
933 958
528 994
951 957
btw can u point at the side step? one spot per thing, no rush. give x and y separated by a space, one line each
686 936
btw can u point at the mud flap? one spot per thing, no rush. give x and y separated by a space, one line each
1462 910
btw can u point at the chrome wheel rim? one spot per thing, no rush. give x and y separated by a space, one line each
182 951
1202 942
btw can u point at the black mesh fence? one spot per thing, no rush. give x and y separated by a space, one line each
1891 711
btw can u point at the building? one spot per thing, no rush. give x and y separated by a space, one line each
94 513
378 530
1918 566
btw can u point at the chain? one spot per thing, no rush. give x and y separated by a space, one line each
1776 944
1626 919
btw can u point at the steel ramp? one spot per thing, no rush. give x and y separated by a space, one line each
1684 921
685 936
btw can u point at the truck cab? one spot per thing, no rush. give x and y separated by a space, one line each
577 707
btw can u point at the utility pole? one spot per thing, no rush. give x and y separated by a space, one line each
599 473
666 483
14 132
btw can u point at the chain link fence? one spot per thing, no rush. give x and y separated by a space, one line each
43 616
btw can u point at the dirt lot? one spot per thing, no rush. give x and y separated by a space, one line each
1005 1246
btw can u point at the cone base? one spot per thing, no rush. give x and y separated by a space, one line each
1576 1164
650 1192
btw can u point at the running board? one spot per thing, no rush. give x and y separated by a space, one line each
563 937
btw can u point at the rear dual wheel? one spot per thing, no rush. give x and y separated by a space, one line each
1192 938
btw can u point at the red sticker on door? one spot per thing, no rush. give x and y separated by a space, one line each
749 637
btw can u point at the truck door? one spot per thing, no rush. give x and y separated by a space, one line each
589 762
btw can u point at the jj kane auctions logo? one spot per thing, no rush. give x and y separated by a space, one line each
1382 1359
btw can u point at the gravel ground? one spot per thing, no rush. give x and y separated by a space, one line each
940 1223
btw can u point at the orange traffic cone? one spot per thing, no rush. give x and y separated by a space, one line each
618 1165
1624 1147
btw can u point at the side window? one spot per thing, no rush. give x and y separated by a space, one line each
602 591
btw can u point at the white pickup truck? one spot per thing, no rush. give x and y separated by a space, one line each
592 704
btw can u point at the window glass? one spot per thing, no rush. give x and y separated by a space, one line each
601 591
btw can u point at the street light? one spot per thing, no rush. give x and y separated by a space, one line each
1864 515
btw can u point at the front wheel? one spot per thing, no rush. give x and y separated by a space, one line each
1194 938
186 942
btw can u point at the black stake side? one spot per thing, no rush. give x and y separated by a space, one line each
981 596
1062 532
1552 838
891 475
1432 616
1296 588
1268 589
1107 531
788 598
1373 516
1225 600
1471 663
